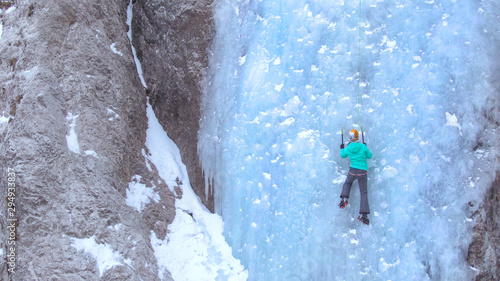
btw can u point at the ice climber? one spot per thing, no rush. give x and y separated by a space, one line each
357 153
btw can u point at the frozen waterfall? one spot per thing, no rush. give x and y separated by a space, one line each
285 76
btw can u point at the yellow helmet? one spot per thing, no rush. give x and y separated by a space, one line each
353 135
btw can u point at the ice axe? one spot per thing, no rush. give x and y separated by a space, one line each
342 134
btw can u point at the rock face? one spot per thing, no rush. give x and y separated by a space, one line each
484 251
76 138
172 38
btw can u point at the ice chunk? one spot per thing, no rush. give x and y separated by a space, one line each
389 172
279 87
242 60
291 107
452 121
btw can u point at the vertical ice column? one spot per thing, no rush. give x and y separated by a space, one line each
284 78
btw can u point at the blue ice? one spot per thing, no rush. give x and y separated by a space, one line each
285 76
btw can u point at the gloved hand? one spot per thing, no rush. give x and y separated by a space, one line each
342 146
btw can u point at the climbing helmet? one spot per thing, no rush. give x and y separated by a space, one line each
353 135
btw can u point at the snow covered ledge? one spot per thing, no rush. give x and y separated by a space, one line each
194 248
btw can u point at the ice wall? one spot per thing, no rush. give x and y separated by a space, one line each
285 76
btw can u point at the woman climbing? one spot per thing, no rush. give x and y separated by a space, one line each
357 153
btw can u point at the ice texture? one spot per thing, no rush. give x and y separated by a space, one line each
285 76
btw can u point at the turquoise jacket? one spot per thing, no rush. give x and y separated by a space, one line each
358 153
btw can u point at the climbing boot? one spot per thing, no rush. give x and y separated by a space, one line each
364 219
343 203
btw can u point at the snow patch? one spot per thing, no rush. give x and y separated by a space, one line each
115 227
113 114
139 195
91 153
113 48
4 119
71 137
164 153
147 161
10 10
104 255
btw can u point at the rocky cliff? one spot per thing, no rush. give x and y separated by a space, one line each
484 251
172 38
72 139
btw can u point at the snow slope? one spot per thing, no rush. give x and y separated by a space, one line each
194 248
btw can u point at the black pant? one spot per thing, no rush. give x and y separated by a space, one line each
361 176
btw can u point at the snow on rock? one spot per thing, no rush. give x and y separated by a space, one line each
113 48
4 119
129 33
56 98
91 153
104 255
164 153
138 194
113 114
10 10
71 137
194 248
